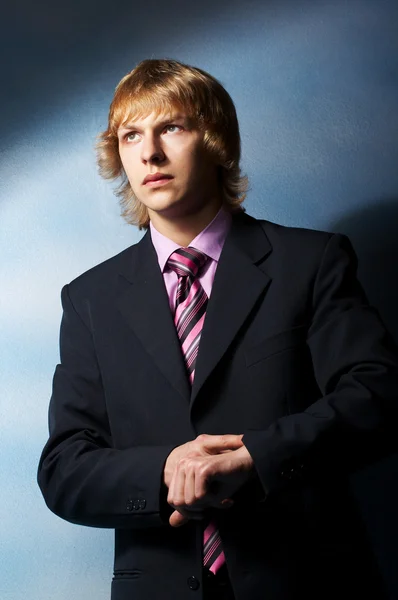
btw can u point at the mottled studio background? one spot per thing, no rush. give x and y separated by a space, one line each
316 89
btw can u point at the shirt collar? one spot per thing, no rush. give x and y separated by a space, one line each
210 240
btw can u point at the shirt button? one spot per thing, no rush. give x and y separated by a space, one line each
193 583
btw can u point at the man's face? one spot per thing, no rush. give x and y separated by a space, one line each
166 165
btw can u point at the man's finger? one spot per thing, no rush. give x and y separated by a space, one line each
181 516
219 443
177 519
226 503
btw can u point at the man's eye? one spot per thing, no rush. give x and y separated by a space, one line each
173 128
131 136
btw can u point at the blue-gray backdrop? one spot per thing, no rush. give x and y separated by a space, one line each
316 88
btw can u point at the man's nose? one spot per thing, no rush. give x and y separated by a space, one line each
151 149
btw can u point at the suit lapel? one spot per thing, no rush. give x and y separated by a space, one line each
237 286
145 306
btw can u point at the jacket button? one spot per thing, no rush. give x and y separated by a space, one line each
193 583
136 504
129 505
142 503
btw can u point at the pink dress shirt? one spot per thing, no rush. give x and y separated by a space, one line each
210 241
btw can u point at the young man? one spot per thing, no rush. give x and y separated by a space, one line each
222 465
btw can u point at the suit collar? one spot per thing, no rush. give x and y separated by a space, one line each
245 232
239 282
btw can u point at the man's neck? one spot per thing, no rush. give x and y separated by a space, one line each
182 231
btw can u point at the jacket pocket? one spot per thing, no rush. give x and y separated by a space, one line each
276 343
127 574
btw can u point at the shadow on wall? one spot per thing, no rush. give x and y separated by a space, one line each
56 51
373 232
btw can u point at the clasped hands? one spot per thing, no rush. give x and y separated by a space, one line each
204 473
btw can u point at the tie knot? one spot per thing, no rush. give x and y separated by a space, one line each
187 261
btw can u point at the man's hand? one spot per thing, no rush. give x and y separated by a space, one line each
203 445
206 475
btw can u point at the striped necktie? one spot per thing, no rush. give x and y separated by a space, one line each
190 312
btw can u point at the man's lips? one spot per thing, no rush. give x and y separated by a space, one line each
156 178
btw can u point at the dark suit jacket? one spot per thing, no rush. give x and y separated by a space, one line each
291 355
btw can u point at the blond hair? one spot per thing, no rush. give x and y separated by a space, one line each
158 85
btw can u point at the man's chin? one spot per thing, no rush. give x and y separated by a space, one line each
170 210
176 209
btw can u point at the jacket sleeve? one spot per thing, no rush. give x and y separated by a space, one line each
355 363
83 477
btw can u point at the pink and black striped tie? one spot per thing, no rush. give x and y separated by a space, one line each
190 312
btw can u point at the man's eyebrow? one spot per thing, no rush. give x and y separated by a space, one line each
171 118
